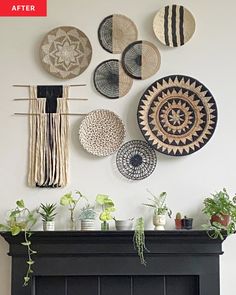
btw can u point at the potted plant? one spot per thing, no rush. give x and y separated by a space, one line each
107 208
21 219
87 217
221 210
158 203
139 240
187 223
71 202
48 213
178 223
126 224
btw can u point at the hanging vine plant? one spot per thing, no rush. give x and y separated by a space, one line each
139 240
21 219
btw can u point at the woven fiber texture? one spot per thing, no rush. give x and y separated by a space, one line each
101 132
177 115
136 160
65 52
116 32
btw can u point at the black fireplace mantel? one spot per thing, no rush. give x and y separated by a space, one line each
178 262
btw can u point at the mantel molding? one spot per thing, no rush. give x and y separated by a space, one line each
115 242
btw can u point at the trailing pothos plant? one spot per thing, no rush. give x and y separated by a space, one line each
21 219
221 210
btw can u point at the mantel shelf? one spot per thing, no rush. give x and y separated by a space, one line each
116 242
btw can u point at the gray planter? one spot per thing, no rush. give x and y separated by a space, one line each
124 224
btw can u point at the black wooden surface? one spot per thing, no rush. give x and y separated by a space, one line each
105 263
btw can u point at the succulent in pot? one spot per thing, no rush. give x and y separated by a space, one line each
48 213
158 203
178 222
87 217
221 210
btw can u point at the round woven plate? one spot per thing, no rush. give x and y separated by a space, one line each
177 115
110 79
136 160
141 59
101 132
65 52
116 32
174 25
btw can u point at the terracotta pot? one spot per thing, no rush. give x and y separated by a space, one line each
178 224
220 218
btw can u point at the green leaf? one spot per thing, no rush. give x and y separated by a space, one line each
30 262
4 227
66 200
15 230
20 204
101 199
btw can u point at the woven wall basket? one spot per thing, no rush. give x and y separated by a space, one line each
177 115
141 59
174 25
111 80
101 132
116 32
65 52
136 160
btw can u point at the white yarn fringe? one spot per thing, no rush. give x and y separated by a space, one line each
48 142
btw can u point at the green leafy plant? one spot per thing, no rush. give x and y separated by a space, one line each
220 204
107 207
158 203
21 219
71 202
139 240
47 212
88 212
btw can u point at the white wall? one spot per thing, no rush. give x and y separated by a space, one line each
209 57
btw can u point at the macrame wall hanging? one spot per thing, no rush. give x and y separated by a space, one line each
48 138
48 135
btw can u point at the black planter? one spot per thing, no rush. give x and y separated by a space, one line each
187 223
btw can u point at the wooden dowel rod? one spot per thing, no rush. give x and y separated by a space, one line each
72 98
72 85
64 114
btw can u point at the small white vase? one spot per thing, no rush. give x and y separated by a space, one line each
48 225
159 222
88 224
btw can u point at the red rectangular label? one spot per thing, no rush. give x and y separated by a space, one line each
23 7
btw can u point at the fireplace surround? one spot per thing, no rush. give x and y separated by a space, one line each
105 263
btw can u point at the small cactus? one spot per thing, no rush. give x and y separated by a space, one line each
178 215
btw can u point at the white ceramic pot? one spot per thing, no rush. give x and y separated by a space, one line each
88 224
48 225
124 224
159 222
